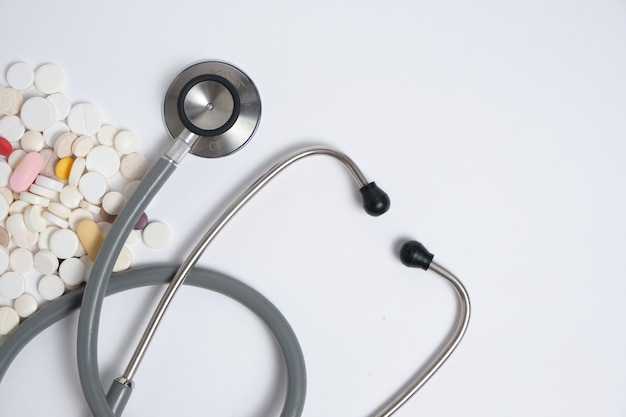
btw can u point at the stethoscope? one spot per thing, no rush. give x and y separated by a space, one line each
211 109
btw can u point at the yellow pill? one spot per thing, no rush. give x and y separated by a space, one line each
90 237
63 167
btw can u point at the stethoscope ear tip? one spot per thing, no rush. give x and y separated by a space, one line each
375 200
414 254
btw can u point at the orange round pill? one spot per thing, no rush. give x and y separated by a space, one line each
63 167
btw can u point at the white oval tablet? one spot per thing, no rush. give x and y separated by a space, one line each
156 235
20 76
25 305
9 320
51 287
21 260
49 79
37 114
84 119
12 285
45 262
61 104
18 207
72 271
32 141
63 243
103 159
11 128
92 186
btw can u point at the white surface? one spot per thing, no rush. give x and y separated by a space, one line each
498 130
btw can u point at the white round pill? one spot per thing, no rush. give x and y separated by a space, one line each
125 142
21 260
44 236
11 128
112 202
133 166
7 194
49 79
78 216
45 262
9 320
12 285
18 207
72 271
70 196
37 113
56 220
15 224
156 235
56 129
4 259
103 159
84 119
32 141
51 287
48 182
133 238
124 260
82 146
61 104
63 243
33 219
5 173
106 135
20 76
25 305
63 144
76 172
16 157
92 186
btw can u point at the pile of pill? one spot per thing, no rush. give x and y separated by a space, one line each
64 176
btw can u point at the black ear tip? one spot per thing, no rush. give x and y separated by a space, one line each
414 254
375 200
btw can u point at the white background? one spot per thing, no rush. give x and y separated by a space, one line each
498 130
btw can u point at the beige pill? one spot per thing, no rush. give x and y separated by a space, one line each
82 146
63 145
124 260
49 162
4 237
7 194
133 166
11 101
90 237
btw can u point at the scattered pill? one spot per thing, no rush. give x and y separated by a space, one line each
5 173
78 216
92 186
5 147
15 225
32 141
49 79
4 259
26 172
91 207
156 235
11 128
54 132
133 238
112 202
4 237
104 227
49 162
78 168
9 320
56 220
124 260
72 271
20 76
130 188
26 240
48 182
84 119
63 243
45 262
7 194
18 207
90 237
63 144
142 222
44 236
12 285
61 104
11 101
33 219
63 167
34 199
58 209
43 191
25 305
70 197
106 135
37 113
133 166
82 146
125 142
21 260
16 157
104 160
51 287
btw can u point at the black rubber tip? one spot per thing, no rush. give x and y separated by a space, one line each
375 200
415 255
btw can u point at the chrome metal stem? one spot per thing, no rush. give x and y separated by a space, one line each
420 379
199 249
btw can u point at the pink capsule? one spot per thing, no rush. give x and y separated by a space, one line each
26 172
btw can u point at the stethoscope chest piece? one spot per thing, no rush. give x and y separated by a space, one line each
217 102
